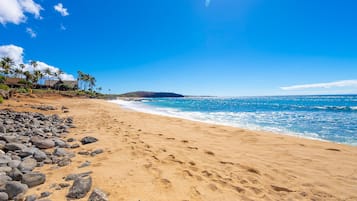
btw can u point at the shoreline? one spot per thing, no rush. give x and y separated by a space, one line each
151 157
257 129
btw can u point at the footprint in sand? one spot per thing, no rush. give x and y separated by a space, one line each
170 138
166 183
195 148
184 141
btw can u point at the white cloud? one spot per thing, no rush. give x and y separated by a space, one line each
59 8
13 52
13 11
31 32
16 53
327 85
31 7
207 2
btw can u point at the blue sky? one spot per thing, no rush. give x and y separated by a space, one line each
196 47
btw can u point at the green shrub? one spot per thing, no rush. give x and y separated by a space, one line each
4 87
1 99
22 90
2 79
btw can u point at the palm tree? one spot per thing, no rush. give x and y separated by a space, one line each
6 64
91 81
37 75
34 64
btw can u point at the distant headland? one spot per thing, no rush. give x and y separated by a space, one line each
148 94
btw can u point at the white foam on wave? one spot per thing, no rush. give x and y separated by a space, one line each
234 119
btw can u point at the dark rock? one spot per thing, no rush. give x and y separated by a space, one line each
15 188
96 152
28 164
3 196
59 152
83 153
80 187
45 194
33 179
88 140
64 162
60 143
39 155
31 198
70 140
64 185
85 164
75 176
15 174
42 143
74 146
98 195
13 146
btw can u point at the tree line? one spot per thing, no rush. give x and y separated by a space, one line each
9 69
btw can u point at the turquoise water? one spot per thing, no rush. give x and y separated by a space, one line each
331 118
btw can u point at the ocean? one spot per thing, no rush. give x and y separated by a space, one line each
330 118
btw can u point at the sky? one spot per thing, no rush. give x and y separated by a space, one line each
192 47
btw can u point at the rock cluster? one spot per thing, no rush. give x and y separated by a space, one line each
25 139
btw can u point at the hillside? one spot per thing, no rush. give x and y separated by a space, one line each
146 94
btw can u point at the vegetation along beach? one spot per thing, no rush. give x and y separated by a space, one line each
197 100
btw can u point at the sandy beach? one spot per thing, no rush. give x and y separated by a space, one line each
155 158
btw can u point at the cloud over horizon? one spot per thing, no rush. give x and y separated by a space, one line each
62 10
13 11
16 53
326 85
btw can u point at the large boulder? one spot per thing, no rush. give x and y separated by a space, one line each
15 188
80 187
32 179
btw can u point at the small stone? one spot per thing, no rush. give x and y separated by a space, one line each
33 179
83 153
42 143
98 195
59 152
3 196
15 174
45 194
60 143
64 185
64 162
74 146
75 176
96 152
88 140
40 155
31 198
70 140
85 164
15 188
80 187
14 146
28 164
14 163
